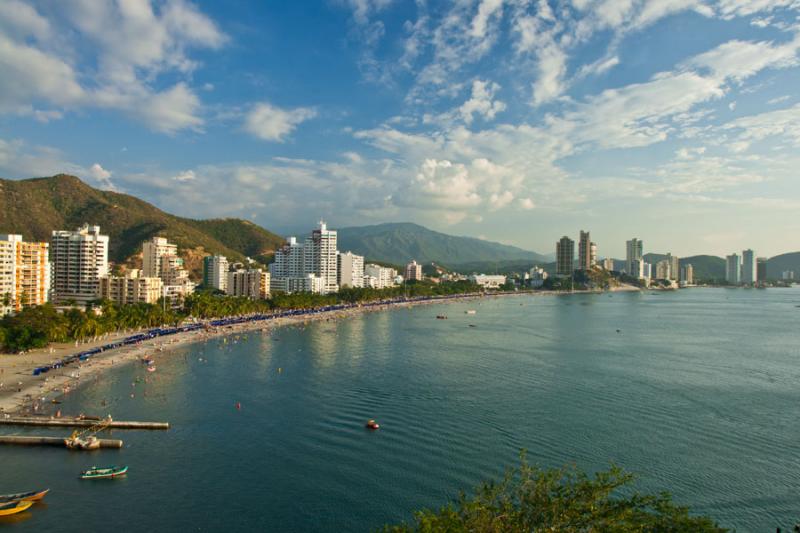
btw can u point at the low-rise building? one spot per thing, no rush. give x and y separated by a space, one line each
252 283
488 281
384 277
608 264
131 288
537 276
307 283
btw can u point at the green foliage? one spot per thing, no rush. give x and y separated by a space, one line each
566 499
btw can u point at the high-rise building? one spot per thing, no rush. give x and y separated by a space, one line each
131 288
608 264
687 274
663 268
749 267
24 273
413 271
252 283
634 251
79 259
152 252
288 261
215 272
733 269
761 268
565 256
647 271
350 270
674 267
319 256
587 251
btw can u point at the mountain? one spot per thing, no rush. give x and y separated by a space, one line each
35 207
399 243
781 263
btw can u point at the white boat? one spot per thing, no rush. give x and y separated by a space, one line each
470 312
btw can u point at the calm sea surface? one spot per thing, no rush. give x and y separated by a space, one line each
698 394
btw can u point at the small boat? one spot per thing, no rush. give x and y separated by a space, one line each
33 496
471 311
76 442
14 507
473 326
371 424
107 472
441 317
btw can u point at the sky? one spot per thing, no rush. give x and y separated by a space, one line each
519 121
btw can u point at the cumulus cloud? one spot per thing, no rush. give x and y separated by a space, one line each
482 102
271 123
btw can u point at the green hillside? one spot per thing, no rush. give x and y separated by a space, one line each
35 207
399 243
781 263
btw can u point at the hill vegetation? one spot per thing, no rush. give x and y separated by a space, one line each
398 243
781 263
35 207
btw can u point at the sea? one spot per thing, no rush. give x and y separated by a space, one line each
696 392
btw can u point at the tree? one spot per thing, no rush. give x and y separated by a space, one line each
566 499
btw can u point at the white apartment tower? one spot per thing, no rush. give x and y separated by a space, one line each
749 267
215 272
319 256
413 271
24 273
80 259
152 252
733 269
350 270
634 252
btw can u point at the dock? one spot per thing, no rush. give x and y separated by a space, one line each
51 441
79 423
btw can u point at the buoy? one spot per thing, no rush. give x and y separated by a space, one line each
238 405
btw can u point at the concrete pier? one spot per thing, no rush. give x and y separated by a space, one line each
79 423
51 441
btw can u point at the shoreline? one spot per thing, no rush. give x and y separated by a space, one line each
24 392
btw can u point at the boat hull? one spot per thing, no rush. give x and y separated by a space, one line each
14 507
105 473
32 496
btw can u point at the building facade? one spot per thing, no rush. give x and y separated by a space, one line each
674 267
413 271
79 259
252 283
24 273
733 269
749 267
587 251
488 281
687 274
215 272
608 264
536 277
379 277
319 256
131 288
350 270
565 256
152 252
634 250
664 269
761 268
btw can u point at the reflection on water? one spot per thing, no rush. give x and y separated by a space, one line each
695 391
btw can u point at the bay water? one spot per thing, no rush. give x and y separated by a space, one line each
696 392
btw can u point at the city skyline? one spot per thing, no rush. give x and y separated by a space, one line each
483 119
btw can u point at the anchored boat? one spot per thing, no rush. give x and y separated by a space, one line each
33 496
14 507
104 472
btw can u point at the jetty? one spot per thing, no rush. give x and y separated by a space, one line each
79 423
51 441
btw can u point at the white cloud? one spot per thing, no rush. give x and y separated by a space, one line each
100 176
185 175
482 102
172 110
271 123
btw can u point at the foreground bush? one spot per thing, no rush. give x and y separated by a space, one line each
565 500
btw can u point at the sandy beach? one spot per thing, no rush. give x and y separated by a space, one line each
21 391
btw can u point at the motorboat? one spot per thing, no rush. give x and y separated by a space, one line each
371 424
107 472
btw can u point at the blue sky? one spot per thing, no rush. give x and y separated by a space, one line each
675 121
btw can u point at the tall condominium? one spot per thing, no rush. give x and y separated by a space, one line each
634 251
749 267
215 272
79 259
733 269
350 270
761 268
663 269
319 256
687 274
288 261
24 273
674 267
413 271
608 264
565 256
587 252
378 277
152 252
